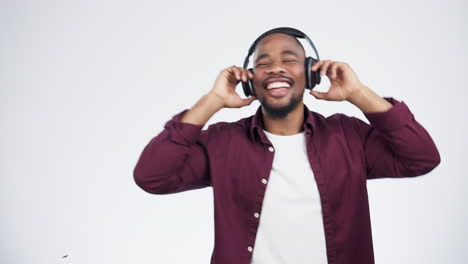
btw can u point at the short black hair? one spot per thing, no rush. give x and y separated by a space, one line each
292 36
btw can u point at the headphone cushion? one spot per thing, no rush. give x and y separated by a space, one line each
312 78
248 86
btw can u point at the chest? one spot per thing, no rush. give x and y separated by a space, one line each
241 170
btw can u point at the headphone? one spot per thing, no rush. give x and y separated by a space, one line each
312 78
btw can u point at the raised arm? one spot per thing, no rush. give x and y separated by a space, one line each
395 144
176 159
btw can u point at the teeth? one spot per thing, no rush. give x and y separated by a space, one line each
277 85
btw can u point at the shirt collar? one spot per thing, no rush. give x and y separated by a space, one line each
257 125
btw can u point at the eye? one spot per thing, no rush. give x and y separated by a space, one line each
289 61
264 64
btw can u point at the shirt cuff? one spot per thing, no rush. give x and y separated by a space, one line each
396 117
183 133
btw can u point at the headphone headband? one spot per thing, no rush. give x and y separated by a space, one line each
285 30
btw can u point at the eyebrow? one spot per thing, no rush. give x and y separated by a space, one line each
284 52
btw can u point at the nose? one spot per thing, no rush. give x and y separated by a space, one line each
275 67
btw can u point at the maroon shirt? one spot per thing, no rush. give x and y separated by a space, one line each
235 159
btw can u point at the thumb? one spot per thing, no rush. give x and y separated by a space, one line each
319 95
248 101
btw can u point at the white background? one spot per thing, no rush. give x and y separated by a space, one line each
85 85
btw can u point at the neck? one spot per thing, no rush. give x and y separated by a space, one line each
291 124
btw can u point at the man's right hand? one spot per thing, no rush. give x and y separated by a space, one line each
225 84
222 95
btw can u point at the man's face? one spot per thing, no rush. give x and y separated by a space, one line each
279 78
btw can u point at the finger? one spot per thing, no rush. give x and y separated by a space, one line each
333 68
245 74
249 100
319 95
248 74
324 68
239 73
251 75
229 74
317 65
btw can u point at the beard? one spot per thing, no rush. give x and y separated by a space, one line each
278 112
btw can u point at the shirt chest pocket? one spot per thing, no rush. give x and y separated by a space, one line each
237 179
342 167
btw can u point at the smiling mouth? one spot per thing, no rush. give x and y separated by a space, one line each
278 91
275 85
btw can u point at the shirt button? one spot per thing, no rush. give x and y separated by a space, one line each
264 181
271 149
250 249
257 215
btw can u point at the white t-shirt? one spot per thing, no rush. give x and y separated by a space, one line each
291 224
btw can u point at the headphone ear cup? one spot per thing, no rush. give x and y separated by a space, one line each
248 86
312 78
317 78
308 73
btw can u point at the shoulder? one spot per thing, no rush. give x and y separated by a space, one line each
339 124
227 130
241 124
336 119
343 119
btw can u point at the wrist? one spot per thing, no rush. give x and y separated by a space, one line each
368 101
214 100
359 95
203 110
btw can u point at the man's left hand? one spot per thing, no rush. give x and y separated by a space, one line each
344 82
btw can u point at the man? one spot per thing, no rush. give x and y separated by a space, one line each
289 185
